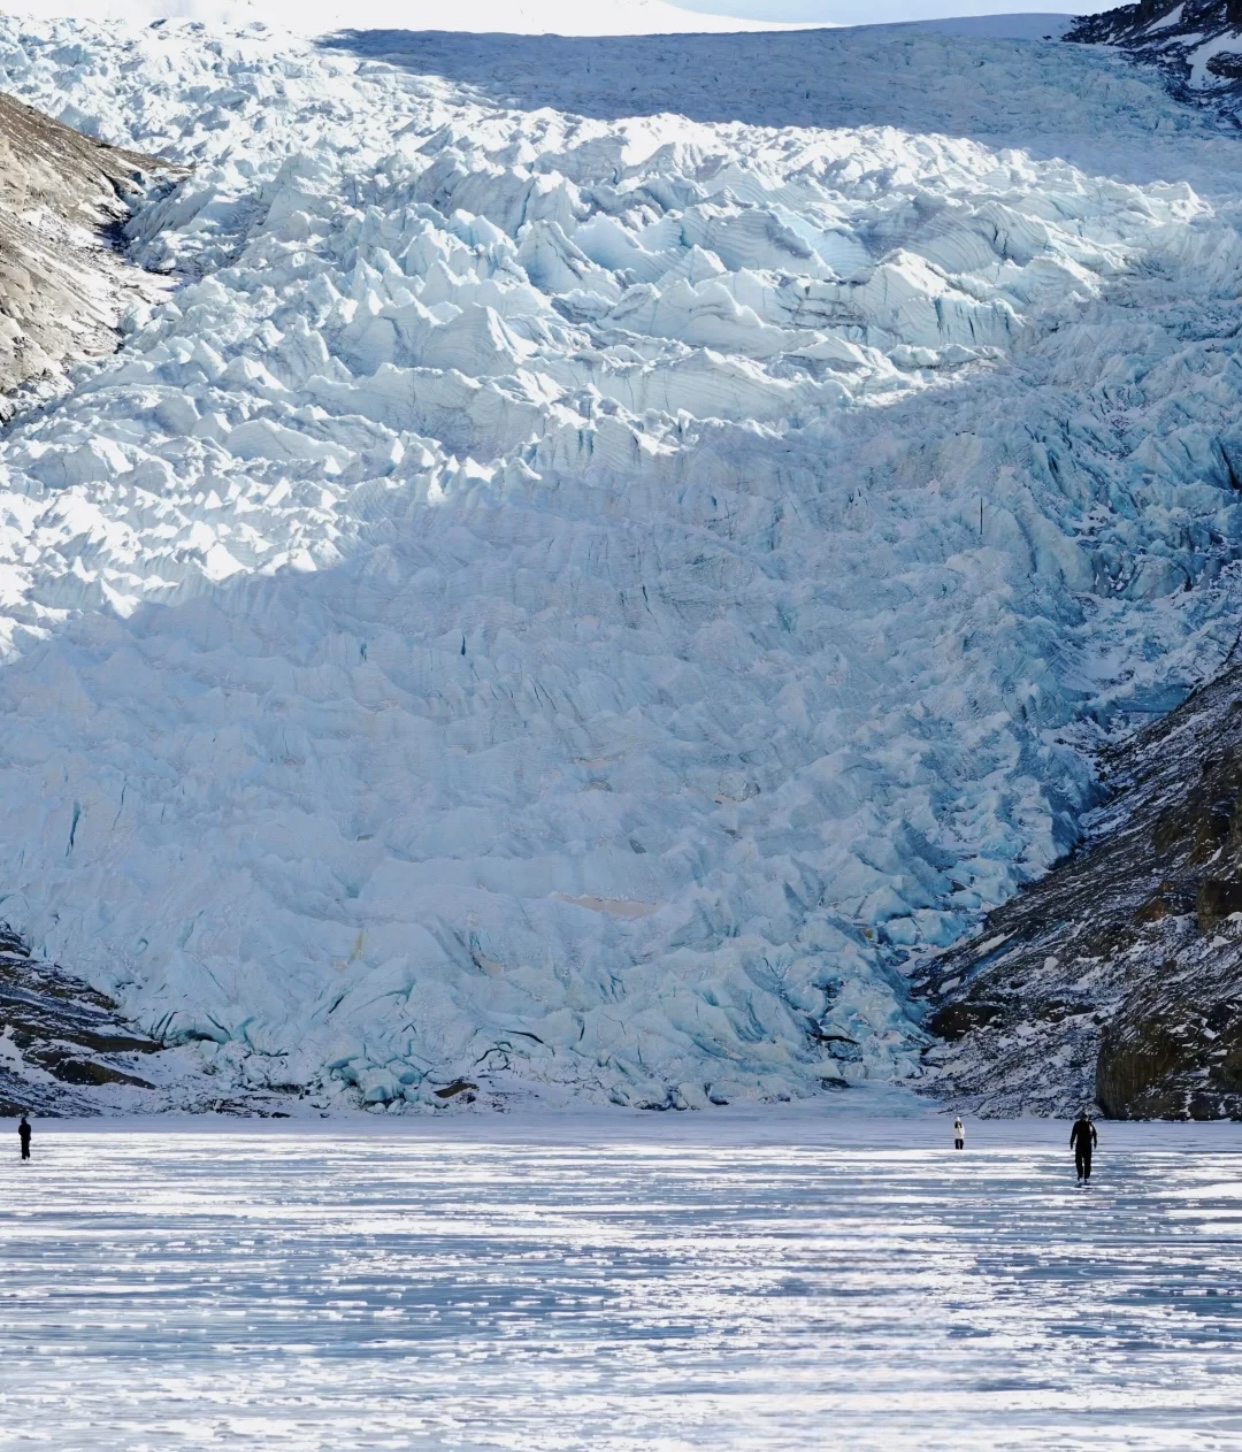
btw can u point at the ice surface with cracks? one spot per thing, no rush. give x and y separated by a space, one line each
669 1284
577 599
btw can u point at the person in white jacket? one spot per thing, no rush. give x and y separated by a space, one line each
959 1133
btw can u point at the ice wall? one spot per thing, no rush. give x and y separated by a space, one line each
581 601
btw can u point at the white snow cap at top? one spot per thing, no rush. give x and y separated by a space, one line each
317 17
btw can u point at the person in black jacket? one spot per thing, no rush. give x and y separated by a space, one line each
23 1133
1083 1139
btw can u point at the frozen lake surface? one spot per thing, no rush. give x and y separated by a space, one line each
638 1283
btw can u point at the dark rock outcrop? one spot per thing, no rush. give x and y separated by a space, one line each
1116 978
1172 35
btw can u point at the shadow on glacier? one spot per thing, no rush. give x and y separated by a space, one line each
1049 98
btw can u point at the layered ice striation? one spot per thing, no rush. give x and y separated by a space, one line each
581 601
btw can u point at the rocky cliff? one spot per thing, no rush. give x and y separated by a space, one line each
1116 978
1197 43
63 284
60 1039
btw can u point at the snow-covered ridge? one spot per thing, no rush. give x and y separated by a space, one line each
522 610
318 17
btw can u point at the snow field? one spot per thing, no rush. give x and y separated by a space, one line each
520 609
619 1287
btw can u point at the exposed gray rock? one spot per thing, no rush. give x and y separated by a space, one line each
65 1049
63 284
1118 976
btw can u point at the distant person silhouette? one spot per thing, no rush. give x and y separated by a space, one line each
959 1134
23 1133
1083 1140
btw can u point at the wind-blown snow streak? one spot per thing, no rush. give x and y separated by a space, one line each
522 609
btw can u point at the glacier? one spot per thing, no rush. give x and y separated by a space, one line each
612 549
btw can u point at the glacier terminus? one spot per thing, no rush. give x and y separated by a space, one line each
606 550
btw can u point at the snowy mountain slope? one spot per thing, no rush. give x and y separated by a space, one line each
1003 25
1196 45
64 1051
318 17
521 610
1116 978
